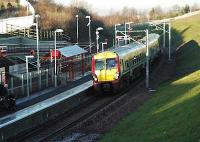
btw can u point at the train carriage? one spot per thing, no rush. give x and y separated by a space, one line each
116 67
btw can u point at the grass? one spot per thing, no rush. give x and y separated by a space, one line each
172 114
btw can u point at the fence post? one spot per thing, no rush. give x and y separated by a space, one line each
52 73
47 78
12 85
40 79
23 84
1 78
30 76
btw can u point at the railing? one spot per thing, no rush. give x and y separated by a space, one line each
22 31
67 70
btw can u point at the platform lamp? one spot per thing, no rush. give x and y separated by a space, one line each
55 72
77 29
37 36
88 17
97 36
37 42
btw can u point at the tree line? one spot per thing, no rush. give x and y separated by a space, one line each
53 16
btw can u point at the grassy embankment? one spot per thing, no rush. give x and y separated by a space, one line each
173 113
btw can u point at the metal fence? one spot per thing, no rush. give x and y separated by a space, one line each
22 84
17 83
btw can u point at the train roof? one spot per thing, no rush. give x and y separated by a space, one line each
134 46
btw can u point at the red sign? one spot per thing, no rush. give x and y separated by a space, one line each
55 53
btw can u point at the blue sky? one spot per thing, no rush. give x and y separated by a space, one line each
101 6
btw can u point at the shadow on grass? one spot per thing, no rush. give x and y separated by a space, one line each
177 113
187 58
172 114
177 108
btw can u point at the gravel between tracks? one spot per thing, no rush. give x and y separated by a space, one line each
98 124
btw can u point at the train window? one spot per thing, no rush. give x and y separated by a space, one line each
127 64
110 63
122 63
134 59
99 64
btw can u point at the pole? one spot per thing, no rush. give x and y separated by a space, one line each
103 43
90 37
147 59
27 78
22 83
90 42
55 75
51 68
27 74
38 54
164 35
77 28
169 41
125 36
115 35
129 28
97 38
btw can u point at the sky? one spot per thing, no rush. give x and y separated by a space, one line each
102 7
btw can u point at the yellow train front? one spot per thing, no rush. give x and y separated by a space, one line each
105 70
116 68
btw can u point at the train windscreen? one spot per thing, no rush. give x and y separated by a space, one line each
110 63
99 64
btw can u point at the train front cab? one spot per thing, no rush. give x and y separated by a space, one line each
105 71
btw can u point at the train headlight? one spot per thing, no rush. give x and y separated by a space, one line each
116 75
95 77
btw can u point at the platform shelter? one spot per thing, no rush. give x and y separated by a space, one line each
70 61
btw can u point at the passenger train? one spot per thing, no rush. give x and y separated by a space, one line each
116 67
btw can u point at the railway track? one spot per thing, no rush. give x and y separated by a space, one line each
58 127
70 119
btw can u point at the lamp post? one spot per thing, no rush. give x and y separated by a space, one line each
169 42
77 29
97 37
37 36
27 74
90 46
147 59
55 72
116 33
103 43
163 36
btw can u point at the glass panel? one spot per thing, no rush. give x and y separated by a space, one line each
99 64
110 63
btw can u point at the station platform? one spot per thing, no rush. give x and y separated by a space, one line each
31 116
50 92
